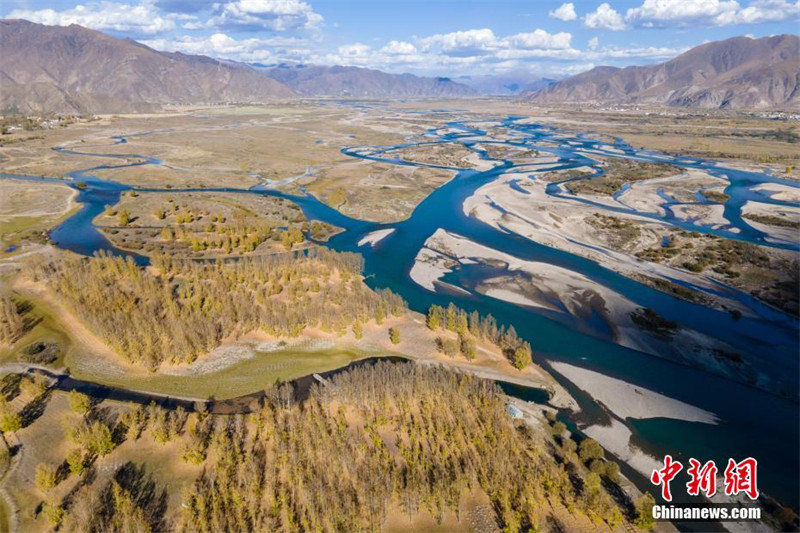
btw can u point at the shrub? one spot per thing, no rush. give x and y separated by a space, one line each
45 477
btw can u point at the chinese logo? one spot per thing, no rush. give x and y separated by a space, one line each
738 477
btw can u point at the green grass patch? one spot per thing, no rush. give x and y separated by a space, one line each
18 230
46 329
244 377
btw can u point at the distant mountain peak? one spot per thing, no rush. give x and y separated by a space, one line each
359 82
740 72
75 69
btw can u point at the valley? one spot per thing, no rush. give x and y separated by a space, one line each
291 241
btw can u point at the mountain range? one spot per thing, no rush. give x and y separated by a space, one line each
509 84
736 73
73 69
356 82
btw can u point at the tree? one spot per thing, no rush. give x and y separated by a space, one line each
54 513
644 512
590 449
449 347
124 217
45 477
522 356
9 420
75 461
394 335
100 441
612 471
358 329
432 320
568 445
194 455
467 346
79 402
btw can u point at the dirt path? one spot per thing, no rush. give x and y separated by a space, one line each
70 323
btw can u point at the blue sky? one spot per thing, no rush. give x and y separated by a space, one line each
434 37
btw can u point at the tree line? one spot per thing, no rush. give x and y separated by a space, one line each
472 325
179 308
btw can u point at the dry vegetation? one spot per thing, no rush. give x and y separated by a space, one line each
773 220
722 135
202 224
180 309
12 321
618 172
379 441
768 274
452 155
620 233
28 209
517 153
375 191
226 146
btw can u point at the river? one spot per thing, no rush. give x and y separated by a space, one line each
754 422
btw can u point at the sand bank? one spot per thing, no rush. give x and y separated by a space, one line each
375 237
626 400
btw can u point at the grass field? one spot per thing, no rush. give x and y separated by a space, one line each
28 209
244 377
46 329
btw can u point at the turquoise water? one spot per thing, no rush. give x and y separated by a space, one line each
760 422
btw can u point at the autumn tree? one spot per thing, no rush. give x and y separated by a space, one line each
45 477
394 335
79 402
644 512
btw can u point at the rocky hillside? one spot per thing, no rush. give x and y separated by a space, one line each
76 70
733 74
356 82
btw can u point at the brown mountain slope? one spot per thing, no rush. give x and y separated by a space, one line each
356 82
736 73
74 69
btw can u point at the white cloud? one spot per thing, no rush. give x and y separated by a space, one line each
466 50
565 12
539 39
399 48
641 52
462 43
105 15
354 51
768 11
605 17
483 42
594 42
682 13
277 15
223 46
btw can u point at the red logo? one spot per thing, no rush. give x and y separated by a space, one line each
703 478
738 477
741 477
665 475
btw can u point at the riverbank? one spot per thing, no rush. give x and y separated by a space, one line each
567 296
